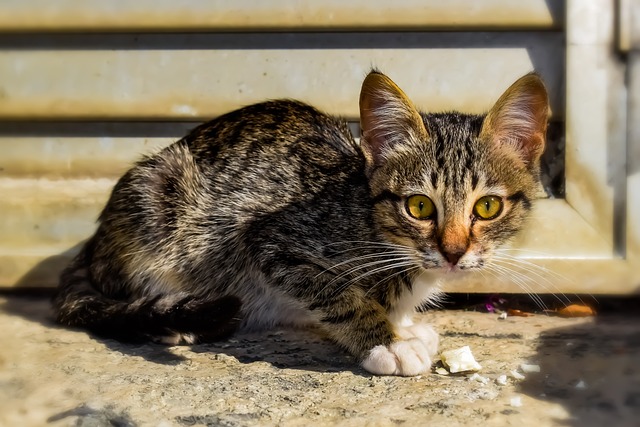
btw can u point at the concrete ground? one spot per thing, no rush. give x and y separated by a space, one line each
589 376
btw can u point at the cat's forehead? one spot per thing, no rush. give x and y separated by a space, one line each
451 133
455 158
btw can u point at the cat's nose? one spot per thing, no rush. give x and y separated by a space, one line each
454 256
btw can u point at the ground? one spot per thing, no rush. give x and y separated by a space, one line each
589 376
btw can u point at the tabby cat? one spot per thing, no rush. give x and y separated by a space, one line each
274 214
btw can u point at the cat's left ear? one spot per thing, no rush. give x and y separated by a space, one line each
387 118
519 119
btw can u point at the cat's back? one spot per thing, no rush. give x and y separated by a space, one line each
272 129
250 161
266 155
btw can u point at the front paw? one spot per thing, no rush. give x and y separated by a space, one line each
407 358
424 333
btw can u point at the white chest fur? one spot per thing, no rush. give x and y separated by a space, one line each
425 289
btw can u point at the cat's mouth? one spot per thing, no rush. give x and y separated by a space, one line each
463 264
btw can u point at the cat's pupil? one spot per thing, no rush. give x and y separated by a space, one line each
421 206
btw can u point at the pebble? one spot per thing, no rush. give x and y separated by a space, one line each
527 368
517 375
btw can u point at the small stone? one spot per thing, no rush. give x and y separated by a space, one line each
581 385
527 368
502 316
516 402
501 380
479 378
517 375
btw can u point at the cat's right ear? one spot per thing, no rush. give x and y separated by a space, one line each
387 118
518 120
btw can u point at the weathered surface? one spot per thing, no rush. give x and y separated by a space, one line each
589 376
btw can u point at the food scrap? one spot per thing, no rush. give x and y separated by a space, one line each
576 310
518 313
440 370
460 360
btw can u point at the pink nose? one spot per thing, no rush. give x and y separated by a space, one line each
453 257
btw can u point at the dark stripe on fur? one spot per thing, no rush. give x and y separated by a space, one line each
519 197
340 317
386 195
77 303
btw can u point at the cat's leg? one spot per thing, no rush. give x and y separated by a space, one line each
185 319
403 315
422 331
411 354
363 326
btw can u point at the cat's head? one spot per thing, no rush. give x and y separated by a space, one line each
451 186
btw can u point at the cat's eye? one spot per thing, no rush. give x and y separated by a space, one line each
420 207
488 207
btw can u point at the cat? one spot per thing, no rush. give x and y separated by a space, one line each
274 214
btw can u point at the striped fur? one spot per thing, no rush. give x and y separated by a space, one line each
273 214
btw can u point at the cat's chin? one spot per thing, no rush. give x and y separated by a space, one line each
457 270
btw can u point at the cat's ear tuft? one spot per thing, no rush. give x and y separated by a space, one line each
519 119
387 117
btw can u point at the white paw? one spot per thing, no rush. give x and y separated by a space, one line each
424 333
175 339
407 358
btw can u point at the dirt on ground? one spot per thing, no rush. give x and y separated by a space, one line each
536 371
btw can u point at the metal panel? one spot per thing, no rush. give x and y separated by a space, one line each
197 77
256 15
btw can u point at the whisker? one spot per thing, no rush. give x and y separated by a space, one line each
389 261
369 243
534 269
551 272
407 250
367 265
359 258
405 270
521 281
345 285
549 284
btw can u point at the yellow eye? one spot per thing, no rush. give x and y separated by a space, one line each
488 207
420 207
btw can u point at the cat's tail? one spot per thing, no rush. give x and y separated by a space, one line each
171 318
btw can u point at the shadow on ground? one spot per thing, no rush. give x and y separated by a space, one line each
291 349
592 370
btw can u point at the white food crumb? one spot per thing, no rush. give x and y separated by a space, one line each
502 380
442 371
581 385
502 316
516 402
460 360
479 378
526 368
517 375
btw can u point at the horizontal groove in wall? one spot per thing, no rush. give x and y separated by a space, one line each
277 40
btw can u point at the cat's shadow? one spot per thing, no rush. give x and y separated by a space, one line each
285 348
282 348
